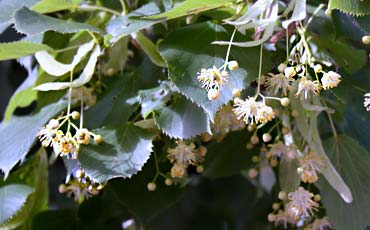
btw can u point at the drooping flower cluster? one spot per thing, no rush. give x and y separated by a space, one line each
182 156
252 111
66 144
212 79
310 164
226 121
301 203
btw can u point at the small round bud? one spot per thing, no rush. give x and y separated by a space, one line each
233 65
275 206
295 113
289 72
75 115
255 139
266 137
109 72
252 173
79 173
282 195
317 198
300 170
250 128
213 94
83 136
271 217
268 155
177 170
236 93
206 137
98 139
255 159
53 124
152 186
366 40
274 162
249 146
62 188
317 68
285 101
168 181
285 130
100 187
202 151
200 169
281 67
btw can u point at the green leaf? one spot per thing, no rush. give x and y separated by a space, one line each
12 198
353 163
32 23
183 119
355 7
117 57
49 6
9 7
228 157
188 50
18 135
124 151
189 7
149 48
127 24
18 49
288 177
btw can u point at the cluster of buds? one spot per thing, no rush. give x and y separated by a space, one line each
212 79
66 144
184 155
81 187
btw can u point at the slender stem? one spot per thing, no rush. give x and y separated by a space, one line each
124 7
96 40
274 126
67 48
313 15
332 125
229 48
81 110
156 166
70 93
259 72
287 43
99 8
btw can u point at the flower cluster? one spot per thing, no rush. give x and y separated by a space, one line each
252 111
182 156
66 144
226 121
301 203
310 164
212 79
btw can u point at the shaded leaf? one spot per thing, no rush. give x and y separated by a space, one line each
31 23
18 49
55 219
354 7
353 163
117 57
12 198
124 151
183 119
18 135
288 177
149 48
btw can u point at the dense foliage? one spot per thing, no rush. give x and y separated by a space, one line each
170 114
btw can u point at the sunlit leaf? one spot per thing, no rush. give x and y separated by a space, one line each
18 49
351 6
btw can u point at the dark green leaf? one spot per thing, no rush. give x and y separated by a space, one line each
353 163
56 220
124 151
12 198
18 135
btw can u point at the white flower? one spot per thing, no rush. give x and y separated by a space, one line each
47 136
367 101
212 78
330 80
252 111
183 154
278 81
310 164
289 72
301 203
306 88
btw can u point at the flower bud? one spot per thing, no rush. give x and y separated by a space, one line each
282 67
285 101
75 115
366 40
98 139
317 68
168 181
152 186
236 93
255 139
233 65
213 94
252 173
282 195
289 72
200 168
266 137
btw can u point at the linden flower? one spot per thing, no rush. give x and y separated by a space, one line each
47 136
301 203
252 111
87 96
277 82
283 218
212 78
307 87
367 101
278 149
183 154
226 121
310 164
321 224
330 80
67 147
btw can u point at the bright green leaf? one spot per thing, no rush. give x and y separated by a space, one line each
12 198
189 7
355 7
18 49
124 151
353 163
49 6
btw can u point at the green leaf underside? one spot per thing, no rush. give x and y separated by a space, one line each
124 151
228 157
183 119
189 7
353 163
18 135
32 23
18 49
355 7
125 25
12 198
189 49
